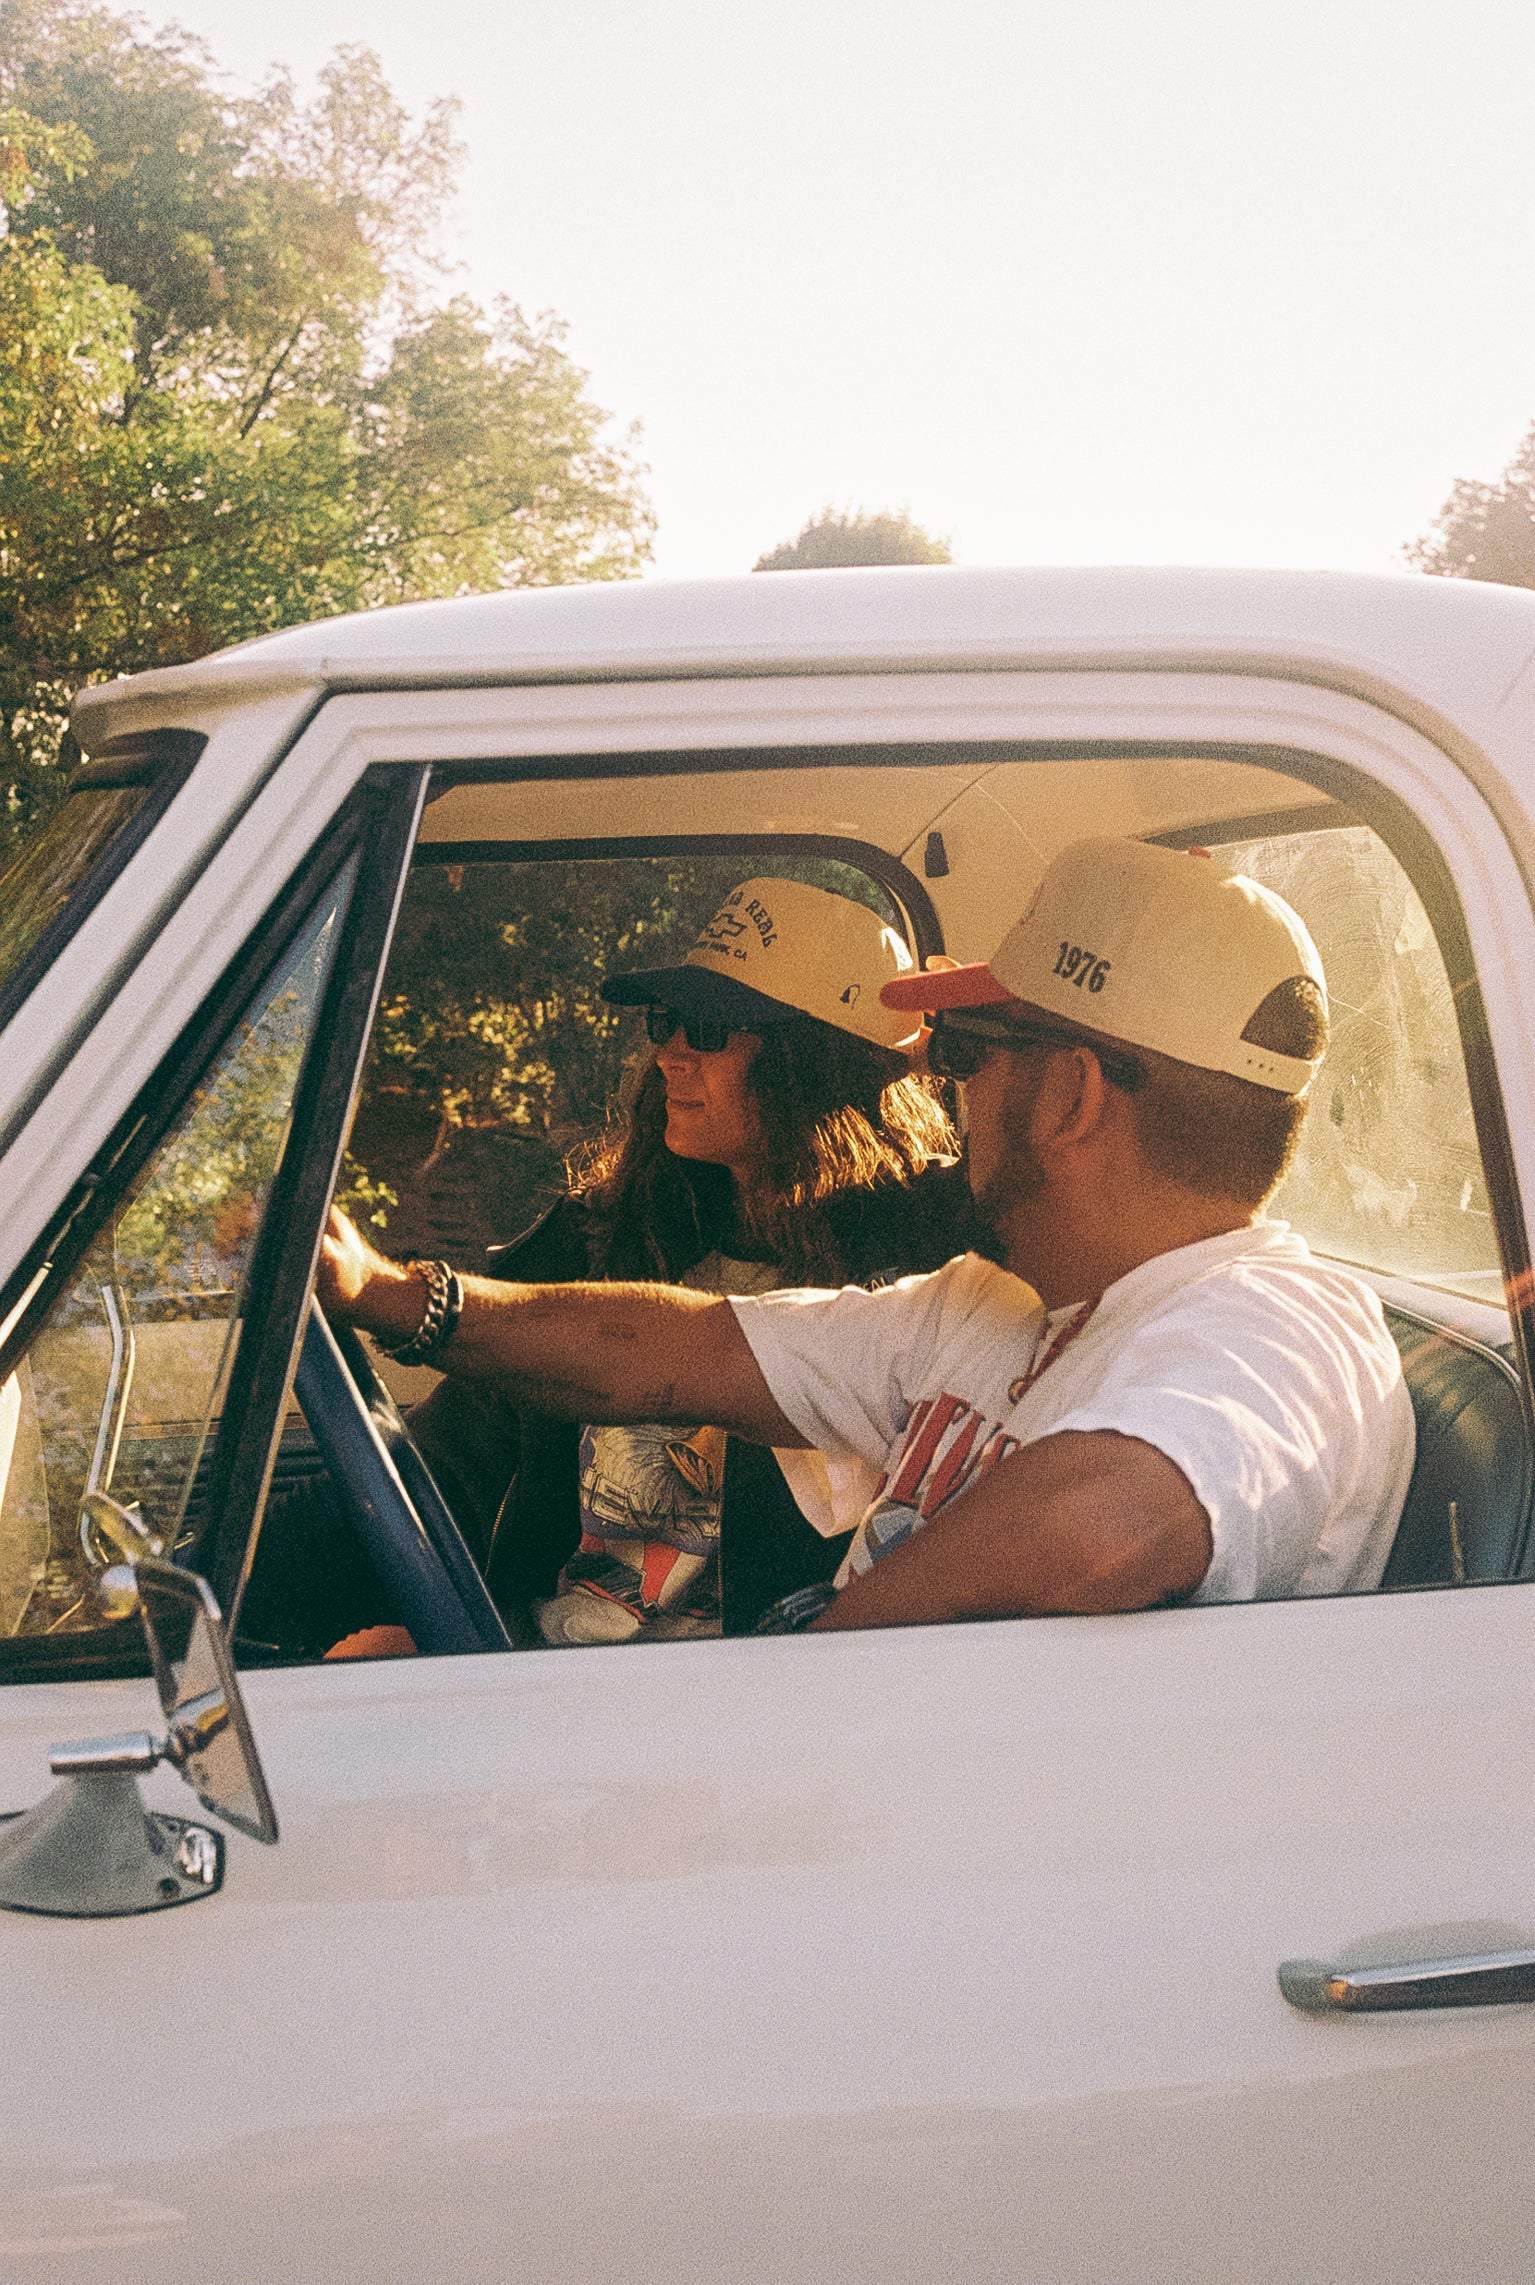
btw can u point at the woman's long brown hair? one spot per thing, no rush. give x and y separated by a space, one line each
837 1114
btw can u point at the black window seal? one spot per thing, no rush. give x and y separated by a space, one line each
691 761
866 857
162 760
1261 825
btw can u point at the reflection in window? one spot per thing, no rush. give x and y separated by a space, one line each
36 887
1388 1173
495 1055
121 1390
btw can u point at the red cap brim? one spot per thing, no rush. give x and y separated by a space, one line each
973 986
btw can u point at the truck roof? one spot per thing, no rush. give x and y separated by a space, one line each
1446 652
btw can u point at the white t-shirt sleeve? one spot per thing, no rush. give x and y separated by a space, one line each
1275 1422
839 1364
846 1367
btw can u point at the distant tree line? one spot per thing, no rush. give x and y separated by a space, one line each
1486 531
851 536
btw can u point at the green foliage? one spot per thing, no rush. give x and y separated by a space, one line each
188 1232
226 402
174 1265
485 466
38 885
1486 531
357 1194
838 537
27 146
130 542
256 236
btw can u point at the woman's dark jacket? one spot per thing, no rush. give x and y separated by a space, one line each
511 1476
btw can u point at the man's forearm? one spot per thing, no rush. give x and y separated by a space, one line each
593 1352
1088 1522
588 1352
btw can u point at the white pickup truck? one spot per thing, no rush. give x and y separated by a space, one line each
1190 1947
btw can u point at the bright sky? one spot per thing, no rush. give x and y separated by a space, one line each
1073 280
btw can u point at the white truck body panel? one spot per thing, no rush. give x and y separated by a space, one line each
942 1952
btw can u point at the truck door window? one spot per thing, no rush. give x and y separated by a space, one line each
35 888
1389 1173
494 1057
122 1388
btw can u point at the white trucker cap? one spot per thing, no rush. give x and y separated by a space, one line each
1158 948
777 949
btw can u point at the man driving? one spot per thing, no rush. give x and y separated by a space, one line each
1155 1395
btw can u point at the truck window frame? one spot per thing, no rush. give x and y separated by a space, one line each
376 828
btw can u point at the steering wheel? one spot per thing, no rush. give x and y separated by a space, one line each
400 1515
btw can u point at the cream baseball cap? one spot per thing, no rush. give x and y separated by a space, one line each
1159 948
777 949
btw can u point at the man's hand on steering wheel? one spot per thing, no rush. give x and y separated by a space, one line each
357 1285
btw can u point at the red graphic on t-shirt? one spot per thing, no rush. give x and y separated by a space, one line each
949 1442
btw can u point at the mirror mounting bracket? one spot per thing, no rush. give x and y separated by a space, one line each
91 1850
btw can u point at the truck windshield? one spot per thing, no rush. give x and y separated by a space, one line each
39 883
62 869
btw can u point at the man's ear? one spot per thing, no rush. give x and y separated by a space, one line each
1071 1101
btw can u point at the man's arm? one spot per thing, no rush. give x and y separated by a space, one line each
581 1352
1077 1522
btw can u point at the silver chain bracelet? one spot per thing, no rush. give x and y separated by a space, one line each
439 1319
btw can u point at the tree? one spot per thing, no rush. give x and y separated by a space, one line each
256 235
228 401
854 536
1485 531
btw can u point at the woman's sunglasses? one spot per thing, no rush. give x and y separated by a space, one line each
958 1045
662 1024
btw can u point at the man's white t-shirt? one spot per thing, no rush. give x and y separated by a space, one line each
1268 1377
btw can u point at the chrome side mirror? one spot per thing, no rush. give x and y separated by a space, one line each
91 1849
209 1737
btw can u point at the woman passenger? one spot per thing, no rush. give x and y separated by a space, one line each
777 1137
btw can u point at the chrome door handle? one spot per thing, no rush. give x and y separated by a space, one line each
1482 1979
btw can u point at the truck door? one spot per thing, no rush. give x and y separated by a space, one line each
943 1951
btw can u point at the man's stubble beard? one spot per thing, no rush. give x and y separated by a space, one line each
1011 1188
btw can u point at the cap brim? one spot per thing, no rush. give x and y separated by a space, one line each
973 986
697 992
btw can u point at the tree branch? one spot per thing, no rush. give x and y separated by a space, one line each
270 383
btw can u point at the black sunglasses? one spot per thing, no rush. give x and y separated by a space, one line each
662 1024
958 1045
